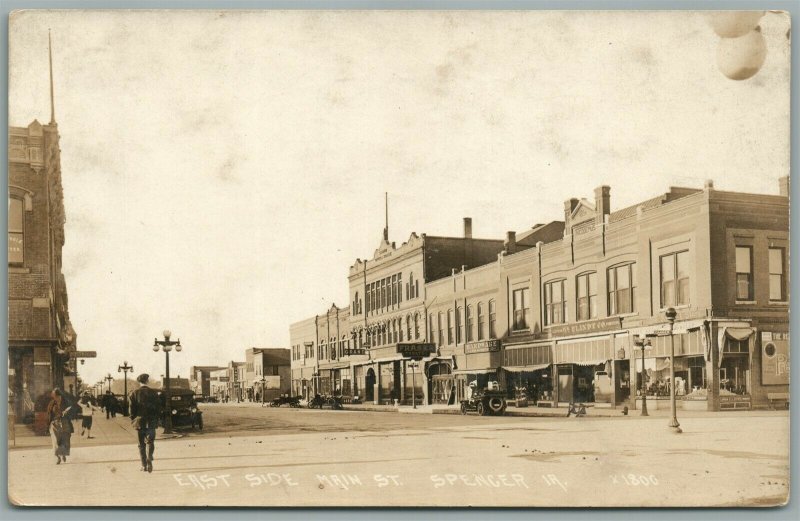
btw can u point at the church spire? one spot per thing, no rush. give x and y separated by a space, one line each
52 98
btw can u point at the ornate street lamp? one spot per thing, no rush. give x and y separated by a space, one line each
263 387
413 365
166 345
109 379
673 423
124 368
643 344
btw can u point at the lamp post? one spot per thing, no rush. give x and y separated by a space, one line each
109 379
166 345
124 368
263 388
643 344
413 365
673 423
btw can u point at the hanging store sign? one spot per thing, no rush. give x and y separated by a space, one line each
484 346
606 324
416 350
83 354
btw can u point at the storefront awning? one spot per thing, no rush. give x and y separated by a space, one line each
474 371
592 362
525 368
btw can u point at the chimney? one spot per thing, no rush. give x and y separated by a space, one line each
569 206
602 202
783 183
468 227
511 242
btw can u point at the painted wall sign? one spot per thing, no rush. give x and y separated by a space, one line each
606 324
774 358
484 346
417 350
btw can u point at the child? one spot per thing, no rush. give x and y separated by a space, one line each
88 411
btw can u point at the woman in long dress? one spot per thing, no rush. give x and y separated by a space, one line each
60 425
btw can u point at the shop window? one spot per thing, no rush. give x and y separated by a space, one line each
777 281
744 273
587 296
470 325
450 326
481 322
555 305
492 319
16 230
622 289
675 279
521 301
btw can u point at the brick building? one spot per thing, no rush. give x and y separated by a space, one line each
41 336
268 373
555 313
200 379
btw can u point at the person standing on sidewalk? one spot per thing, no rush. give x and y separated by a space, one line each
88 413
60 425
145 412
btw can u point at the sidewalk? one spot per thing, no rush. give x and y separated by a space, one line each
112 431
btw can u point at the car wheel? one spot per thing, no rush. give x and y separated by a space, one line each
481 409
464 408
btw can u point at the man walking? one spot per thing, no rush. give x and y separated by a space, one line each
145 412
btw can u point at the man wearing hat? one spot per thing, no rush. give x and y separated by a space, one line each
145 412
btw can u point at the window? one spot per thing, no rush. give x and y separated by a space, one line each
521 309
400 328
622 289
394 290
395 330
481 320
492 319
459 325
470 325
431 338
16 231
449 326
587 296
555 305
399 288
408 327
416 325
675 279
440 328
744 273
777 282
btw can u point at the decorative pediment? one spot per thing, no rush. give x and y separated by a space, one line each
584 211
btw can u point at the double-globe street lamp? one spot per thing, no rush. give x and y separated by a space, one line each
124 368
166 345
644 344
109 379
673 423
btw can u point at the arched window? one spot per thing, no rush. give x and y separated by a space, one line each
416 326
440 328
431 338
470 325
492 319
459 325
408 327
481 322
16 230
400 328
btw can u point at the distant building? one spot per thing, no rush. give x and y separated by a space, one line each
268 373
200 379
218 383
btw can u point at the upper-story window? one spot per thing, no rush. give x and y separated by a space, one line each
450 326
555 303
492 319
744 273
587 296
416 325
399 288
439 328
675 279
16 230
777 280
470 325
431 337
412 288
459 325
522 310
622 289
481 322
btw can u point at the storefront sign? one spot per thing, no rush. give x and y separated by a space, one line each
83 354
484 346
353 352
774 358
606 324
416 350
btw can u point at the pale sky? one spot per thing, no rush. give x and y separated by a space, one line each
223 170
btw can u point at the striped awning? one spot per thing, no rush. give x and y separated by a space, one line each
525 368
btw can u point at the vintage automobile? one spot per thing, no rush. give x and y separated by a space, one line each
334 402
293 401
183 409
491 400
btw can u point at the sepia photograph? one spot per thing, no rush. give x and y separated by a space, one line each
398 258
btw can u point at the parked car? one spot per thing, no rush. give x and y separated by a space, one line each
183 409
